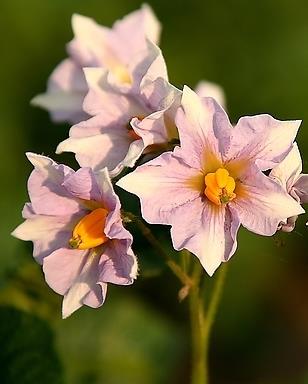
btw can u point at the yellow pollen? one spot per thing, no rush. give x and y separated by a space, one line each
219 187
89 231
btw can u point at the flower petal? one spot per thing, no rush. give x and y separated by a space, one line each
66 91
74 274
208 89
261 203
163 184
109 198
82 184
46 192
103 98
301 188
88 48
118 264
48 233
83 286
141 23
103 150
204 130
206 230
288 171
62 267
134 151
263 139
148 65
160 94
289 224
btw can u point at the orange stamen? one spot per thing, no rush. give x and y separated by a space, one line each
219 187
89 231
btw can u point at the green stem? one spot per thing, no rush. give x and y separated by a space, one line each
146 232
212 311
198 375
202 324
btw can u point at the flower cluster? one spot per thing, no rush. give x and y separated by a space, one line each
200 174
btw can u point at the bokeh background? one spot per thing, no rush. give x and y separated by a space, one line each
258 51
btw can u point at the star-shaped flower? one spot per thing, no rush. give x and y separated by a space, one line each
75 225
214 182
122 50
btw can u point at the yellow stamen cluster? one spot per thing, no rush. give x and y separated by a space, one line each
89 231
219 187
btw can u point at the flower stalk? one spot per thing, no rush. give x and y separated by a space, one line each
202 323
196 306
147 233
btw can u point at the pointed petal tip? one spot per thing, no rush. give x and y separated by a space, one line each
122 182
15 233
187 89
62 147
38 161
32 157
42 100
69 306
76 20
210 269
36 101
210 266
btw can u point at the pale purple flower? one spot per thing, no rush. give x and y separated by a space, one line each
123 124
122 50
289 175
75 225
214 182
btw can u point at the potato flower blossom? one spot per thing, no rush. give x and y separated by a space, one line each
75 225
289 174
121 50
210 185
124 124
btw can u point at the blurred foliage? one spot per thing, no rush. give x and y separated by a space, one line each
27 355
258 51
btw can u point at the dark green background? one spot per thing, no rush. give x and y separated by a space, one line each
258 51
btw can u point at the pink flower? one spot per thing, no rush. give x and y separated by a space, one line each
214 182
121 50
75 225
124 124
288 175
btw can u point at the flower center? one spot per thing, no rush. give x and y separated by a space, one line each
89 231
122 74
219 187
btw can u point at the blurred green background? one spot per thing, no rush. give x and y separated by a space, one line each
258 51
